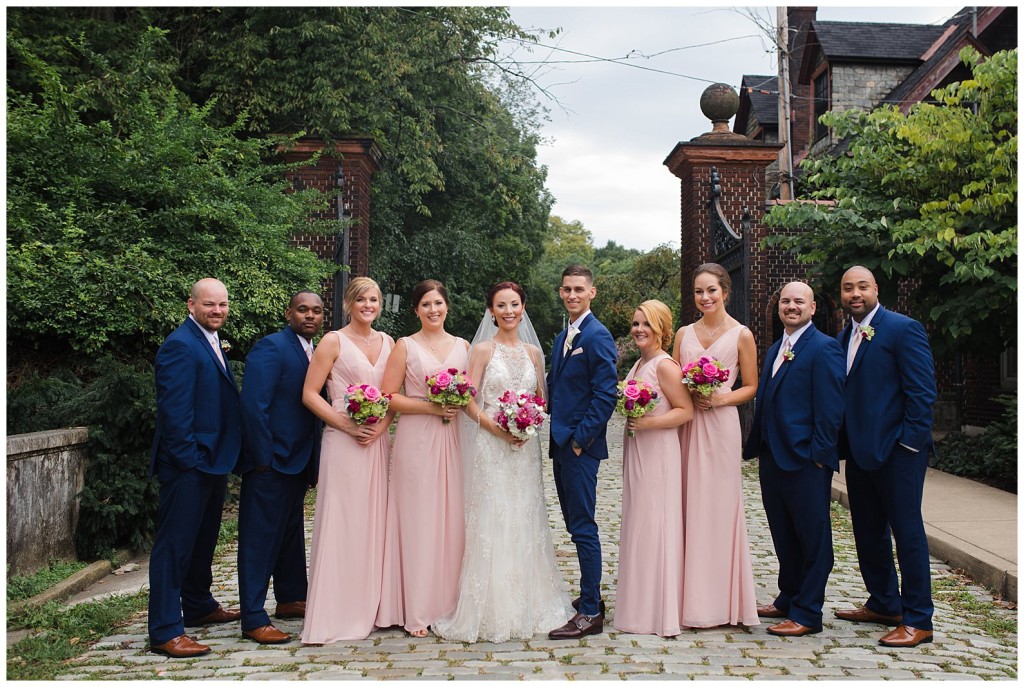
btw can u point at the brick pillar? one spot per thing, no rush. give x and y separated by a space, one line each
358 159
741 165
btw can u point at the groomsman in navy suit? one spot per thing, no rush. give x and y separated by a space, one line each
890 388
797 416
197 443
581 397
280 458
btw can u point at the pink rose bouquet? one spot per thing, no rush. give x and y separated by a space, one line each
705 375
521 415
450 387
366 404
635 399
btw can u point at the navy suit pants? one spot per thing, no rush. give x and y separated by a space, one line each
576 485
180 574
884 501
797 506
271 542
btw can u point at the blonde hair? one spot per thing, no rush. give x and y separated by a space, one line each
660 317
356 288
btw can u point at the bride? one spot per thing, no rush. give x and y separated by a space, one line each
510 586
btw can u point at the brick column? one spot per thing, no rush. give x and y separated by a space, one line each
358 159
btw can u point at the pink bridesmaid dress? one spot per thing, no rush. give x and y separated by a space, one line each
718 584
425 523
347 557
648 594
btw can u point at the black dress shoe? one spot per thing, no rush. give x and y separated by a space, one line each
576 605
579 626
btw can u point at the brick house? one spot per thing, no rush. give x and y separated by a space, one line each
838 66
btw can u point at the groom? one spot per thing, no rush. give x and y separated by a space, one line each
581 390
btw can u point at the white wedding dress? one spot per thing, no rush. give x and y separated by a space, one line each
510 586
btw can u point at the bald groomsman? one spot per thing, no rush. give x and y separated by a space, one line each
890 388
796 425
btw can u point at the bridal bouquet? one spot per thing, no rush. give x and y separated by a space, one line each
366 404
450 387
521 415
635 399
705 375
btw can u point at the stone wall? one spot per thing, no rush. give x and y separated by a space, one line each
45 473
862 86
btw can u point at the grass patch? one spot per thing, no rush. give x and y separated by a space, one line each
227 536
22 587
987 616
60 633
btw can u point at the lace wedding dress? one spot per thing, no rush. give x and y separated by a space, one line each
510 586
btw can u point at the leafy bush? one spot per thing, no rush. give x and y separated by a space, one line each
990 457
26 586
628 354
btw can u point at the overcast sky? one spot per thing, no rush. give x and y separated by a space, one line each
605 151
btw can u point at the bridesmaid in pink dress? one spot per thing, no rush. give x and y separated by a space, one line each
648 595
718 584
425 524
347 558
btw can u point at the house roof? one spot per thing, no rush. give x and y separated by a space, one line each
857 41
764 106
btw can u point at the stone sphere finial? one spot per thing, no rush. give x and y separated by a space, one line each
719 102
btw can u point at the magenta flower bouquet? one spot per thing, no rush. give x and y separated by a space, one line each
521 415
705 375
366 404
635 399
450 387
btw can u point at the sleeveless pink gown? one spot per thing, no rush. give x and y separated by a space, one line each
347 556
718 580
648 594
425 523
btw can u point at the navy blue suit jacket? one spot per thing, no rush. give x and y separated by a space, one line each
279 431
198 421
889 391
799 411
581 389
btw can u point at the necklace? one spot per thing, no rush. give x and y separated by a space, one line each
364 339
432 347
711 334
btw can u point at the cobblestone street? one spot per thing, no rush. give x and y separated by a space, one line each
962 650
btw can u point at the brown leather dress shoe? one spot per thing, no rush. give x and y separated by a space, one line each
220 616
905 636
576 605
788 628
769 611
866 615
292 609
181 646
268 634
579 626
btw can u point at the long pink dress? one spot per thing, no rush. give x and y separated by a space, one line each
425 525
649 591
719 580
347 557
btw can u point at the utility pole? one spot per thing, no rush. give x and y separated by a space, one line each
786 154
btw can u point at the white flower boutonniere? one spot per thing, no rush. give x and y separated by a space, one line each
867 331
225 345
789 355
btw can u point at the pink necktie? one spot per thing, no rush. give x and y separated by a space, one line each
220 356
855 337
309 352
781 357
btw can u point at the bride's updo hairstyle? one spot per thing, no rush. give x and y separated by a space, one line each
425 287
719 273
660 317
501 286
356 288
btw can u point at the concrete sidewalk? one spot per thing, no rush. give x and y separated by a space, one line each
970 526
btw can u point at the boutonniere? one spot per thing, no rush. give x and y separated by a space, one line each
225 345
867 331
789 355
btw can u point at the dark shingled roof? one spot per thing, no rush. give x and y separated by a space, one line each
860 41
764 107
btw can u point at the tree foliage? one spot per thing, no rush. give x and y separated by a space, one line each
928 197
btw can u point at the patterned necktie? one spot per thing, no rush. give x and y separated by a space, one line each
309 352
570 335
781 357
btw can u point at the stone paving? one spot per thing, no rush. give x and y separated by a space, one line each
962 650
